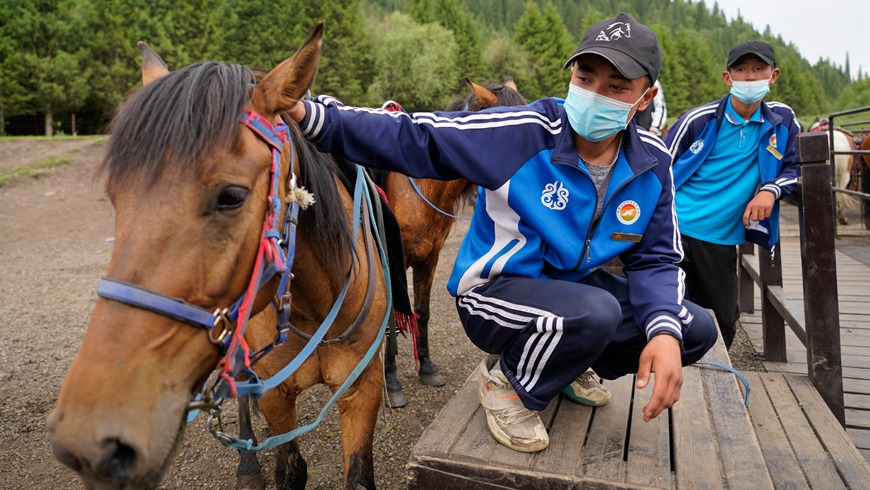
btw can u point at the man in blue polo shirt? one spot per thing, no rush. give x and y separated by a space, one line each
733 159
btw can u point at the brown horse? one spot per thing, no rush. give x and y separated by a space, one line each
190 180
425 219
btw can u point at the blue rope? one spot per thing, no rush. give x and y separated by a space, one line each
734 372
430 203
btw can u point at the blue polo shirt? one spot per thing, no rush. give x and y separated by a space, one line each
710 205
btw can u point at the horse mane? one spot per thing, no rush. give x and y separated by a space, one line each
174 122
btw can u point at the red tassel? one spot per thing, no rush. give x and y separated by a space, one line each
408 323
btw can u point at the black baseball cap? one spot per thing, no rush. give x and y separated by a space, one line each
759 48
630 46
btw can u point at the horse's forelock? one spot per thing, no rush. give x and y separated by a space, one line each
174 121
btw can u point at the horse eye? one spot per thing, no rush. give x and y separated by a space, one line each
231 198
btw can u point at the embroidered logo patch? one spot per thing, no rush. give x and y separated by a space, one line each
555 196
615 31
696 146
627 212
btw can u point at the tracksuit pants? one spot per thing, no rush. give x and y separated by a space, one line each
548 332
711 281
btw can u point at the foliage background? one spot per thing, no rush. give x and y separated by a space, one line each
60 58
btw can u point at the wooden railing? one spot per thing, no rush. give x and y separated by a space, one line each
818 324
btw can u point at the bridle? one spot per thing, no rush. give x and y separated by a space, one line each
226 326
277 248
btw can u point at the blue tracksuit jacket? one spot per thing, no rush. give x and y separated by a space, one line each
694 134
535 214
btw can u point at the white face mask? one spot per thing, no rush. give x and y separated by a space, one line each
750 92
595 117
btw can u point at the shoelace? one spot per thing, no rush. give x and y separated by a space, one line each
516 414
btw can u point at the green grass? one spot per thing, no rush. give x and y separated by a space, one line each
35 168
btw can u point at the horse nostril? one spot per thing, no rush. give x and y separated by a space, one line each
118 462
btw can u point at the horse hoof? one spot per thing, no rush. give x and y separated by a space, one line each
432 379
396 399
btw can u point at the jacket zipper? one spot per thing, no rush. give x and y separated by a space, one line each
587 249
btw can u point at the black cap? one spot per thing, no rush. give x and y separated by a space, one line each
758 48
630 46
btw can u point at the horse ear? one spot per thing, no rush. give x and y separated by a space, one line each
153 66
510 83
484 97
282 87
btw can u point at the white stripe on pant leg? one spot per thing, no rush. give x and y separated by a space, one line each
547 332
551 342
506 305
556 337
532 345
505 318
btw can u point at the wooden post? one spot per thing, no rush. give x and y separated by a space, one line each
745 283
772 323
821 308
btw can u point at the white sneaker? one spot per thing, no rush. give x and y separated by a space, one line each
508 420
586 390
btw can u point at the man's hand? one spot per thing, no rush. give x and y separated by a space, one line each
662 357
759 207
297 113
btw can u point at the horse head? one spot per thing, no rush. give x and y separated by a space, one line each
191 182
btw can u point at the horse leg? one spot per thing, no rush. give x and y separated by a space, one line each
249 475
279 408
358 413
395 396
424 275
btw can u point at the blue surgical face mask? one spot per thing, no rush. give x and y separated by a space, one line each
750 92
595 117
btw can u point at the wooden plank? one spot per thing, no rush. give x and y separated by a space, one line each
567 435
852 466
606 442
742 460
696 454
781 461
475 444
861 437
855 400
815 461
649 448
450 422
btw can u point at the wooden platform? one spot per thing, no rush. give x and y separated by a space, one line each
854 306
786 438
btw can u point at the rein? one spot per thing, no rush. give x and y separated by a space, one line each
226 326
431 204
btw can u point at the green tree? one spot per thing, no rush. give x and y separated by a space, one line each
545 40
260 36
14 96
346 64
415 64
855 95
114 60
693 76
52 55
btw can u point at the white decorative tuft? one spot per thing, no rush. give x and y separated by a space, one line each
302 196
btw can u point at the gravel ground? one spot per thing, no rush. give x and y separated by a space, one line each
55 228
